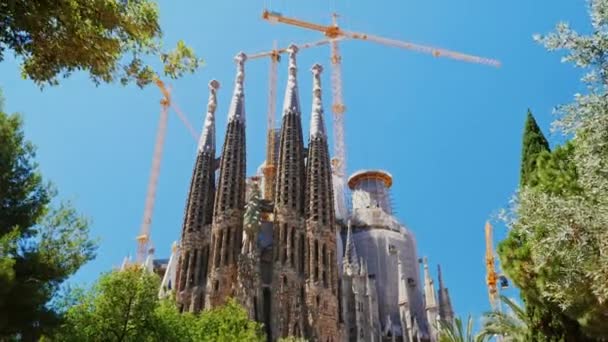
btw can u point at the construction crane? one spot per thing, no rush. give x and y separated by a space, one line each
491 276
275 57
334 33
494 280
143 239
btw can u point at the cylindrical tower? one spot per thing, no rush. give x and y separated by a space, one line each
370 189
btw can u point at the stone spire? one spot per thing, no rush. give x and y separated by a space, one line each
430 301
363 267
227 228
237 105
289 191
169 278
374 311
405 313
317 126
289 241
350 262
446 313
191 273
291 103
322 277
207 140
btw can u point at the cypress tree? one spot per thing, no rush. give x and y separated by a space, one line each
542 170
534 143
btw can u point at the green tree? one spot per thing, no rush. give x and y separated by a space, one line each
566 230
41 245
548 172
124 306
456 331
534 143
108 39
228 323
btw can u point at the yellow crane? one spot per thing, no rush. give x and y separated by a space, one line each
143 239
491 275
493 279
335 33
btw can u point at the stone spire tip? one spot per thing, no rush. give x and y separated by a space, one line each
351 259
214 85
207 140
317 127
237 106
317 69
291 103
293 48
240 57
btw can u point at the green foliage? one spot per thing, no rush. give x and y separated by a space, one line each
534 143
546 172
124 306
40 245
228 323
120 307
109 39
253 210
556 171
456 331
563 221
512 326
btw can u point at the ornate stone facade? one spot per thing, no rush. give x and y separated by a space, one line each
281 256
321 248
289 226
193 264
227 227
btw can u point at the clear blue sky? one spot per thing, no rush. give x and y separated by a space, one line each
449 132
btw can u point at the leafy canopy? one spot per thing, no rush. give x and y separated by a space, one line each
108 39
565 225
124 306
512 326
41 245
549 172
457 331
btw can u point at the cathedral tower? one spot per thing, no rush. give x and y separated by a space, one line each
192 270
227 227
321 263
288 240
432 312
405 313
446 313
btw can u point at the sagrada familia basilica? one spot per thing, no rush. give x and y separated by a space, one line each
295 262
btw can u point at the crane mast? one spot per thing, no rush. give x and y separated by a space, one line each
491 276
143 239
270 169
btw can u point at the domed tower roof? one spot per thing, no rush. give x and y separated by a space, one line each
370 189
378 175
